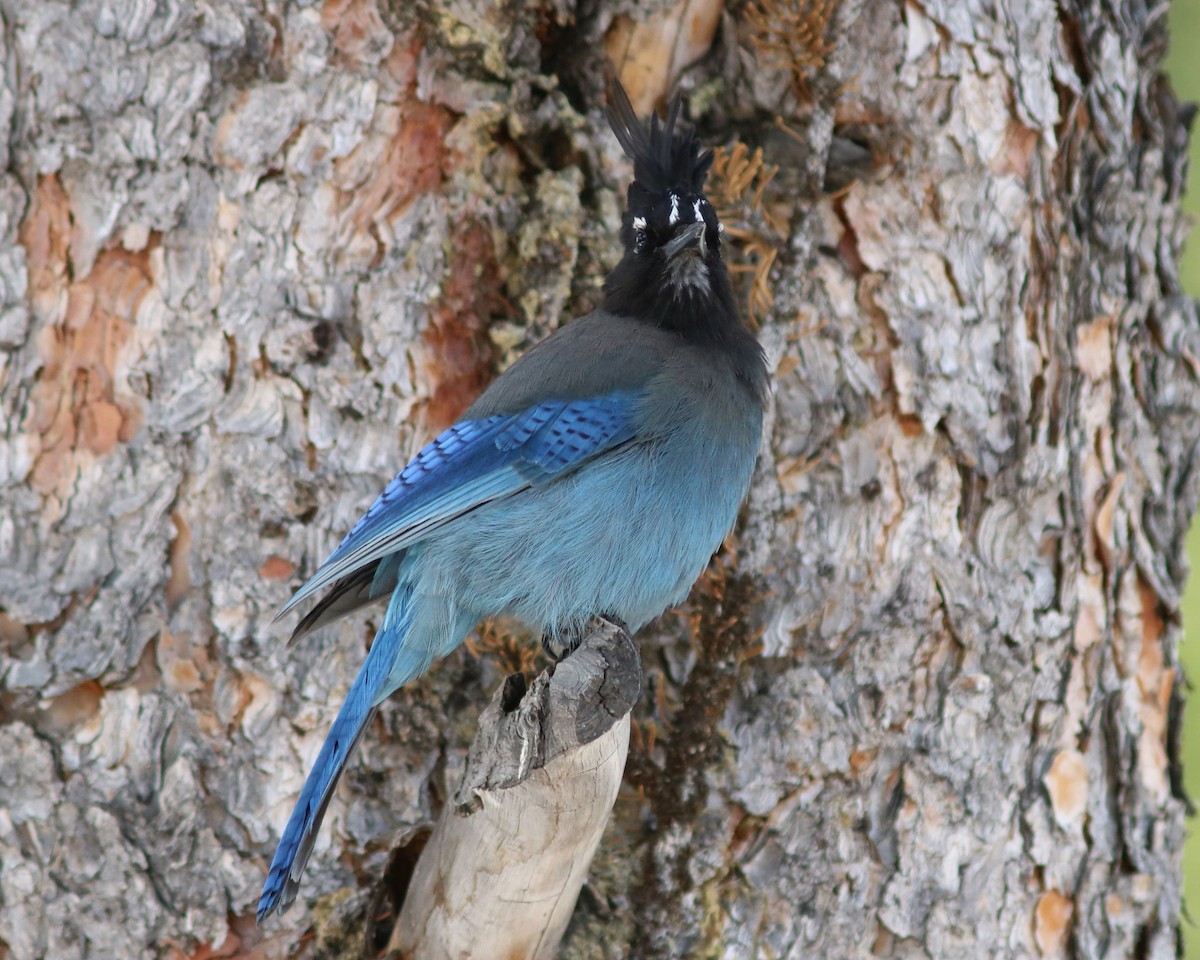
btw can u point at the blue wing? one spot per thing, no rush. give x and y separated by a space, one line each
473 463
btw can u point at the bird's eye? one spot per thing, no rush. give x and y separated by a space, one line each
639 232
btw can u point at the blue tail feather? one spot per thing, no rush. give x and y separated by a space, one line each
392 661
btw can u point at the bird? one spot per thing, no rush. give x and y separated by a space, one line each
596 476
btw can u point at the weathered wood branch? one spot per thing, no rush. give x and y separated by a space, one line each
508 857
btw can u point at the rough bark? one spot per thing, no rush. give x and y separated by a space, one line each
255 253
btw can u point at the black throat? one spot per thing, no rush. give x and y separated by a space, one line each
704 315
641 287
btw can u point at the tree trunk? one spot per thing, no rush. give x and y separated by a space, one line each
925 703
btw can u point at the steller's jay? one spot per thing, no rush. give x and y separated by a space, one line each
596 476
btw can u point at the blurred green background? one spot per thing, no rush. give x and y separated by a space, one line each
1183 64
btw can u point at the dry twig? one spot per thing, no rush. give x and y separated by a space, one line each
791 35
739 178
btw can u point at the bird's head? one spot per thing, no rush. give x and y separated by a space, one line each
672 273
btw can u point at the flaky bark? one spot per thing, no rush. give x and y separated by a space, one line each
254 254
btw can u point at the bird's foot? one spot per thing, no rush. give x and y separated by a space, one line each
615 621
561 644
550 646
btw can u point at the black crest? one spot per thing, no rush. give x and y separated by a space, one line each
666 156
672 274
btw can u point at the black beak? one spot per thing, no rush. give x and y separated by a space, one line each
689 236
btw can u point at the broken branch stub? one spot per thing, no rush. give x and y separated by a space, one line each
501 873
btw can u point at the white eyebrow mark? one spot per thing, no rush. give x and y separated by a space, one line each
674 218
639 223
720 228
699 215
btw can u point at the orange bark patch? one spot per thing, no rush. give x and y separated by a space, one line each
910 426
182 665
45 234
1089 626
1052 922
1067 784
75 706
179 580
1154 682
253 696
458 341
356 27
276 567
861 760
13 633
73 406
402 62
181 662
787 363
87 326
1019 145
1094 348
412 164
100 426
1150 657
